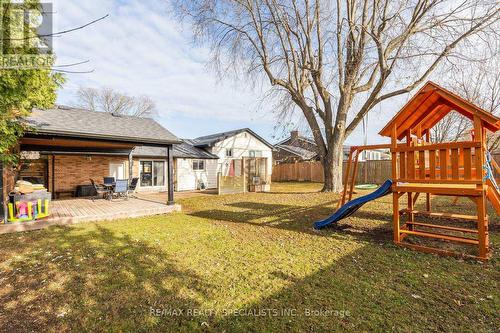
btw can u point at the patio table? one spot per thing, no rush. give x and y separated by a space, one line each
110 188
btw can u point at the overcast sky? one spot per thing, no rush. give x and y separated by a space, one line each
140 50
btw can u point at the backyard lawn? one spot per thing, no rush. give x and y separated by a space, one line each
248 262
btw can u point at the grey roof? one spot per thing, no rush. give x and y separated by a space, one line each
183 150
68 121
210 140
301 152
300 137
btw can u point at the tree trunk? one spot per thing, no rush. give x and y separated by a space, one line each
332 167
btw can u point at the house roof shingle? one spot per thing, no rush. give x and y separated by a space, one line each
301 152
68 121
300 137
210 140
182 150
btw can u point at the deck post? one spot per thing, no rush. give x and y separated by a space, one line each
130 167
395 195
53 180
346 178
482 226
354 174
395 217
170 165
411 215
428 195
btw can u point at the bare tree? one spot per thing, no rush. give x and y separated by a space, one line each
109 100
478 83
333 58
453 127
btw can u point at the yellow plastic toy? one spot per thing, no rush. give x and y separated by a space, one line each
40 213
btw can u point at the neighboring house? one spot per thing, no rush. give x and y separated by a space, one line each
298 148
375 154
68 146
236 145
295 148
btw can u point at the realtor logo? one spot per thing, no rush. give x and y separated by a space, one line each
25 34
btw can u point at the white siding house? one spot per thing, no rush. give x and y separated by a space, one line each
197 162
235 145
239 146
195 174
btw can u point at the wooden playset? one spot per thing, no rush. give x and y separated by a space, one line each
459 169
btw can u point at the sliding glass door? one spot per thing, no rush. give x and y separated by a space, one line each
158 173
152 173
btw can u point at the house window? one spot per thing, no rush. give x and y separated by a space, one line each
152 173
254 153
198 165
229 152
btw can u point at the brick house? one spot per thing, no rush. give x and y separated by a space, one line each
67 147
295 148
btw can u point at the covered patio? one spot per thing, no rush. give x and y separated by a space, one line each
67 150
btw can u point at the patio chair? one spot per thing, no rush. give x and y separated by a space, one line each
100 190
109 180
121 188
133 184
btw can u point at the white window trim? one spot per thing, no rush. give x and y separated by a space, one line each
198 160
164 172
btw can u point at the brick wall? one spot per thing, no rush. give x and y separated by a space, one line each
296 142
73 170
283 156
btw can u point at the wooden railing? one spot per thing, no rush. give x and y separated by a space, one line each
455 162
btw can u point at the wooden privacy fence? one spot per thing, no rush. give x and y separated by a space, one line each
369 172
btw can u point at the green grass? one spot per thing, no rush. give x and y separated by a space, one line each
249 262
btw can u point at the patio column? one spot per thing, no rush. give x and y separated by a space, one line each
170 166
130 167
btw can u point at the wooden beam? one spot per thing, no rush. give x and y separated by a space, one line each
482 226
53 177
354 175
470 108
443 227
435 108
395 217
439 181
443 215
346 179
130 167
441 236
441 190
431 102
433 250
444 145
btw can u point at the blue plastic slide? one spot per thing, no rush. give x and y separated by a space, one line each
353 205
